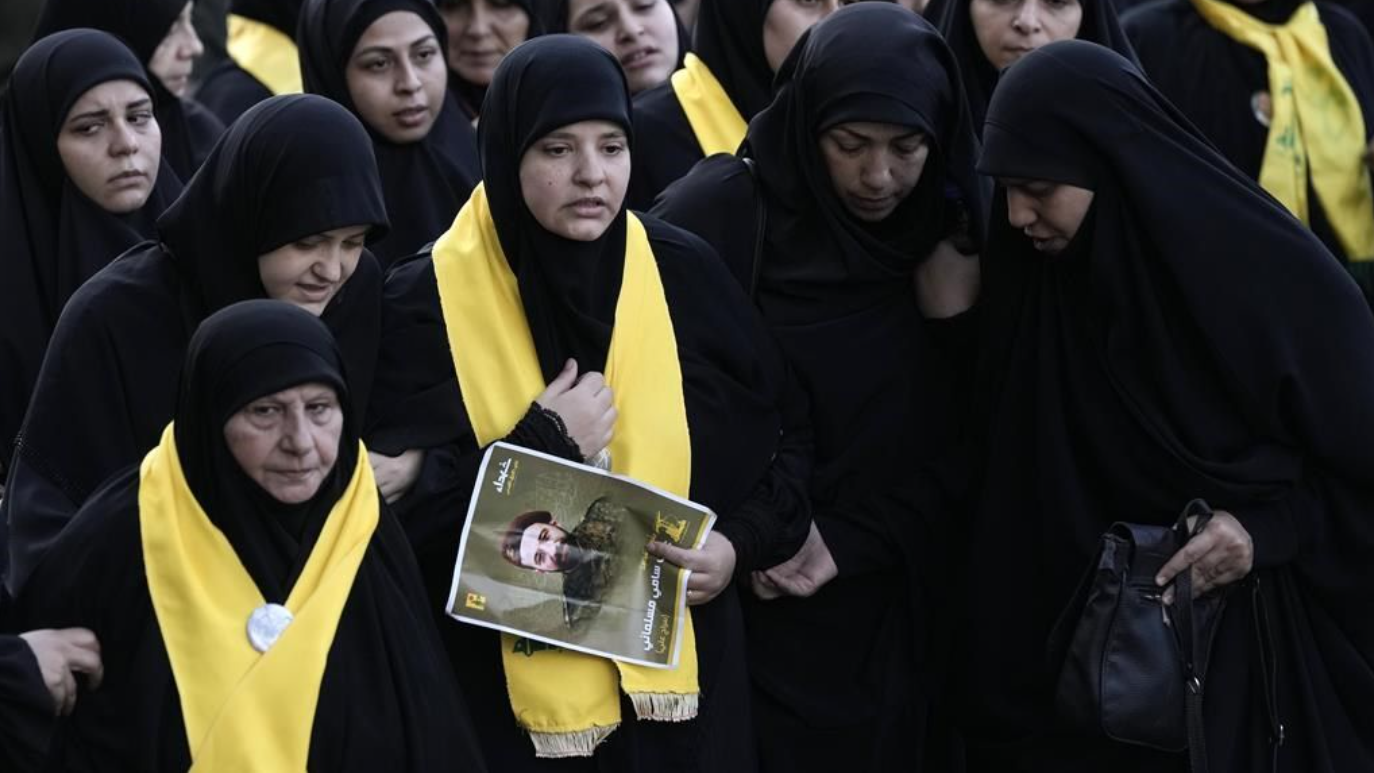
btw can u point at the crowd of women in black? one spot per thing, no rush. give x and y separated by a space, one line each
917 305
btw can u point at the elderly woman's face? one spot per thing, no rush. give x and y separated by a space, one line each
287 442
574 178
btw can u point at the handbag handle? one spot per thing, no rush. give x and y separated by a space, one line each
1189 648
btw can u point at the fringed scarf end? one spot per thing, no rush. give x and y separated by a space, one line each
665 707
579 743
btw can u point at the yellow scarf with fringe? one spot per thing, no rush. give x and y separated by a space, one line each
266 53
1317 130
717 124
568 701
244 710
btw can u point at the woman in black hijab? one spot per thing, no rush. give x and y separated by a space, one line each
251 618
480 34
1127 373
81 180
862 166
1224 87
737 46
986 36
262 60
747 452
399 89
647 38
159 33
280 210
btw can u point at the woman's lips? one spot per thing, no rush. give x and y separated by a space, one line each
412 117
639 58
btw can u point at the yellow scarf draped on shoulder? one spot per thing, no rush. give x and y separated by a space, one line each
1317 130
244 710
717 124
568 701
266 53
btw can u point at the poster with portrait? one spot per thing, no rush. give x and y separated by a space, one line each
554 551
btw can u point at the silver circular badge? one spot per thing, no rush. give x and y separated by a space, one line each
266 625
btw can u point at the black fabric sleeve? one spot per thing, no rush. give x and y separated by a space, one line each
26 708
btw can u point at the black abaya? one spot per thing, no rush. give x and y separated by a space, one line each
188 129
424 183
749 456
1175 44
291 167
729 41
55 237
844 678
1132 373
388 700
228 90
951 17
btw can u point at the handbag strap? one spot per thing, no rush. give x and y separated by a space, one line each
1190 648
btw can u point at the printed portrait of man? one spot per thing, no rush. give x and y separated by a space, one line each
586 556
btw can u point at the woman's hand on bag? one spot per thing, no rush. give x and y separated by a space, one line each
585 404
712 565
1222 554
396 474
801 575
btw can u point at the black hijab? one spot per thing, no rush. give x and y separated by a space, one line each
569 288
838 295
1175 43
555 15
425 183
729 39
471 95
188 130
951 17
239 354
291 167
386 670
228 90
823 262
55 237
1132 373
280 14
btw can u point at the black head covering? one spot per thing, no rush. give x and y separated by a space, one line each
868 62
55 237
281 14
952 17
239 354
188 130
425 183
291 167
1132 372
471 95
729 39
555 20
569 288
386 669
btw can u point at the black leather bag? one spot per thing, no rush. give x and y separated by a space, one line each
1130 666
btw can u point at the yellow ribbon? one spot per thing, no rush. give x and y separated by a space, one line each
244 710
717 124
266 53
1317 130
568 701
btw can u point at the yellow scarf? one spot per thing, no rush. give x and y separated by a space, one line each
1317 128
266 53
568 701
717 124
244 710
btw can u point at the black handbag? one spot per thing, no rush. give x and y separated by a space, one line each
1130 666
